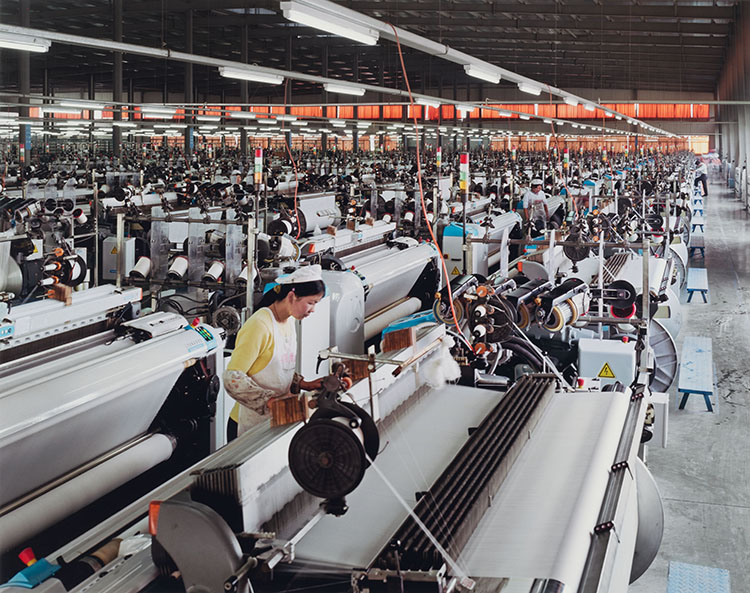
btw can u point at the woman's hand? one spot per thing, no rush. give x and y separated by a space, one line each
311 385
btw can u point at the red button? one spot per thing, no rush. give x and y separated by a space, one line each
27 556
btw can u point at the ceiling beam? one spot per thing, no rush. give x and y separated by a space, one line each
606 9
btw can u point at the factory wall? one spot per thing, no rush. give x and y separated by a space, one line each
734 85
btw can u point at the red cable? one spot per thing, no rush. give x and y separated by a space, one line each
294 164
421 189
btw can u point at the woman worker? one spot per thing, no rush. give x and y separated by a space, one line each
264 358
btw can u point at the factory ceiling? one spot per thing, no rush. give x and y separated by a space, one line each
601 44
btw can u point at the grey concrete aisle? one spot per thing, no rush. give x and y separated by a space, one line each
704 473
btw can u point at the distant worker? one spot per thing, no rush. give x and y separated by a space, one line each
701 175
263 363
535 205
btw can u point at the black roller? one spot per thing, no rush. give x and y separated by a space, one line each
327 457
655 221
575 253
625 302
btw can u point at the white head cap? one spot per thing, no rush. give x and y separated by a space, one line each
301 274
536 181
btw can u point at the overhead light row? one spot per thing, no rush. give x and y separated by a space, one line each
331 23
24 43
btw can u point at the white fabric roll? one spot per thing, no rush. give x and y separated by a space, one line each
53 506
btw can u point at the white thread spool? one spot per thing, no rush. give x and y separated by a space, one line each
215 270
79 216
178 269
242 278
142 268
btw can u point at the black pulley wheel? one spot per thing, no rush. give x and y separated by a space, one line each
327 458
575 253
627 298
654 221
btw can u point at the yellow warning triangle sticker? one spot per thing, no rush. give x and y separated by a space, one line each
606 372
114 251
455 271
35 249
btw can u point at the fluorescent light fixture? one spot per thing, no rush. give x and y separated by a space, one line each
299 123
618 117
24 42
547 121
243 114
8 114
482 74
344 89
527 87
572 101
83 105
208 118
286 117
158 110
339 124
428 102
267 121
336 122
363 124
250 75
589 106
124 124
522 116
334 24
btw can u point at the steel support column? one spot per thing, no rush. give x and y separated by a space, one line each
24 87
117 75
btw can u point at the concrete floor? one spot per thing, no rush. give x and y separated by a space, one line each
704 473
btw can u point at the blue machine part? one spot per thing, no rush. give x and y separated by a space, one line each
33 575
531 248
7 331
411 321
456 230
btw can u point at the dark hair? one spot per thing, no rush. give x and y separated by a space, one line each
301 289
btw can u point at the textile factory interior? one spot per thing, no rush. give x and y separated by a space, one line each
374 296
